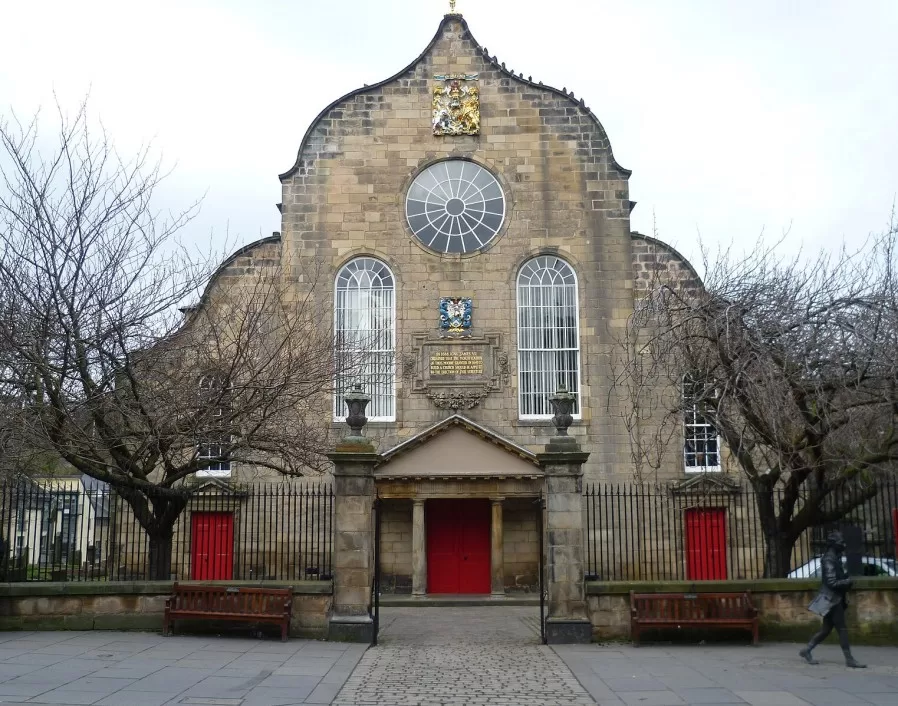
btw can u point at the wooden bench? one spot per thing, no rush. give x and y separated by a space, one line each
692 610
251 605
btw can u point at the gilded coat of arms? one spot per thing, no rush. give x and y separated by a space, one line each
455 314
456 105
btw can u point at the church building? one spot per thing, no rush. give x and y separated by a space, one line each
475 227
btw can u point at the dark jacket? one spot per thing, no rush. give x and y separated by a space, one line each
836 583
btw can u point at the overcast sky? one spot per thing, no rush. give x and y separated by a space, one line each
736 117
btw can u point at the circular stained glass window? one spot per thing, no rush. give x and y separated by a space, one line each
455 206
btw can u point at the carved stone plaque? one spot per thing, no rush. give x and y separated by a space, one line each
457 373
456 105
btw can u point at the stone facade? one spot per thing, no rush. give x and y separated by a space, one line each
566 196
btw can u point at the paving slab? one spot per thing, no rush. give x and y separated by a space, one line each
144 669
769 675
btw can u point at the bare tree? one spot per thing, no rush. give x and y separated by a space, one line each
793 363
110 375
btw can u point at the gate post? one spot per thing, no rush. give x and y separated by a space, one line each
562 462
354 460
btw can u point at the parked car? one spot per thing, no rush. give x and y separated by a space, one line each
873 566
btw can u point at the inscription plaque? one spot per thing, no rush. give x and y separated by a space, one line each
456 373
456 363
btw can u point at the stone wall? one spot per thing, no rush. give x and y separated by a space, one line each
134 606
781 603
396 547
520 546
566 196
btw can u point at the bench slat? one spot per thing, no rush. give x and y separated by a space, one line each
701 609
269 605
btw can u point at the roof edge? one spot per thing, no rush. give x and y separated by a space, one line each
191 309
491 60
636 235
451 421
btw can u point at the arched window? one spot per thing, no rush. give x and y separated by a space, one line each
365 335
213 442
548 335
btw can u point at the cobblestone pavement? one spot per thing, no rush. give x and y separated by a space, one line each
769 675
470 655
142 669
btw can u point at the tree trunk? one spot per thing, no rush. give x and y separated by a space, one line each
159 560
777 543
777 555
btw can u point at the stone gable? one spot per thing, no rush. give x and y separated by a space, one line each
565 195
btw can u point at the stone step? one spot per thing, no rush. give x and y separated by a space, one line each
444 601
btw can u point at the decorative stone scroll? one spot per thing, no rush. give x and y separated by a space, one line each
456 105
457 373
455 400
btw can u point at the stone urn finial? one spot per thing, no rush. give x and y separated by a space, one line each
356 402
562 404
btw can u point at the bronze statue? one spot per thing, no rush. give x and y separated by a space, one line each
831 601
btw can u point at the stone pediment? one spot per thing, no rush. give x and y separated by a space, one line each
458 448
704 483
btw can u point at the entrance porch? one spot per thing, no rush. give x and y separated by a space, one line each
460 513
443 472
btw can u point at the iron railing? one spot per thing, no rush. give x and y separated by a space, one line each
652 532
74 530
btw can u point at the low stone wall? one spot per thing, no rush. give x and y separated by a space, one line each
136 606
781 603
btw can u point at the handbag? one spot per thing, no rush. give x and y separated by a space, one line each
821 605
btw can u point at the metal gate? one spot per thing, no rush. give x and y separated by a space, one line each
374 609
540 525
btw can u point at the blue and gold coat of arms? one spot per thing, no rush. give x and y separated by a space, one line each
455 314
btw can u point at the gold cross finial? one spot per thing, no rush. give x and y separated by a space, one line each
452 6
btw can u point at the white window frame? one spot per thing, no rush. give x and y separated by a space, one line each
382 407
207 449
697 431
526 314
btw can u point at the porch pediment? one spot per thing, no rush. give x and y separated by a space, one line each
705 483
458 448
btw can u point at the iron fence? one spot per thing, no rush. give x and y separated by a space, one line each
652 533
79 530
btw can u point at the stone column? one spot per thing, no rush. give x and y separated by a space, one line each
354 460
419 549
562 462
497 560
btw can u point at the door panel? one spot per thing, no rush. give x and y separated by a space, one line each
458 546
706 544
212 549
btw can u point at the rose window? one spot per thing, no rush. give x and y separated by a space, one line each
455 206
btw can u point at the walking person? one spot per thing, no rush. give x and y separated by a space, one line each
831 601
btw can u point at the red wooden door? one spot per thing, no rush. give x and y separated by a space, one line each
706 544
458 546
212 550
